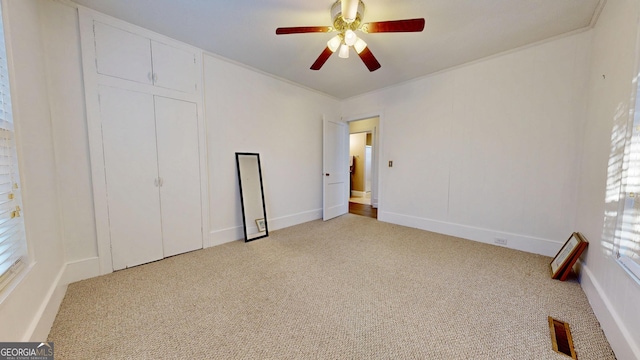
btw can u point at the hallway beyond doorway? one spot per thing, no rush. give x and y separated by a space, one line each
363 210
366 200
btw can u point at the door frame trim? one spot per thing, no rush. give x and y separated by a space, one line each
379 151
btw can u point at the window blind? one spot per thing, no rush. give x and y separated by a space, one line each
13 246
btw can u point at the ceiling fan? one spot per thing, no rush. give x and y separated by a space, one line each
347 19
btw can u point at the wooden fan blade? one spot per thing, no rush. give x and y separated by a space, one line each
369 60
302 29
407 25
326 53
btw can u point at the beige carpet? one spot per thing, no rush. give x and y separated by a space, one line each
350 288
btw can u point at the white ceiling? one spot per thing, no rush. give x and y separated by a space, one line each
456 32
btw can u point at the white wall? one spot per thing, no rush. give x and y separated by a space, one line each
61 40
614 296
29 310
492 146
250 112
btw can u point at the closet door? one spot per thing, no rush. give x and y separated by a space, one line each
131 165
122 54
174 68
178 160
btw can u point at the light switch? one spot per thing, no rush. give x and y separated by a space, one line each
390 163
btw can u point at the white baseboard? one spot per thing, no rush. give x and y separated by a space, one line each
81 269
620 339
46 314
514 241
295 219
42 321
222 236
355 193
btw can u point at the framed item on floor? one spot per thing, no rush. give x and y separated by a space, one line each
260 224
564 260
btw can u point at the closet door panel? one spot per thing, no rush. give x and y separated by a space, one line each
178 159
122 54
129 141
174 68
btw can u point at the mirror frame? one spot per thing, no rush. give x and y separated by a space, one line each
264 208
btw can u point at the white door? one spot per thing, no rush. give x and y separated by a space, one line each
174 68
122 54
335 152
131 165
179 171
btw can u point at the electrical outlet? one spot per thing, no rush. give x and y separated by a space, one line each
500 241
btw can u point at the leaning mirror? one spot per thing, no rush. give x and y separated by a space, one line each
254 214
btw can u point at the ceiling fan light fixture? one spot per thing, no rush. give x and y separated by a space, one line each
359 45
344 51
347 18
334 43
350 37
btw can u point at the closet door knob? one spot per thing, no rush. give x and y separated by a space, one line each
327 174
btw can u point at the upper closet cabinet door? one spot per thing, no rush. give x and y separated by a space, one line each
122 54
174 68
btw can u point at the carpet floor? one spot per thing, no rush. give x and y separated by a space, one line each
349 288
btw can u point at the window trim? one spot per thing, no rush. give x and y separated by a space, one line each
27 262
629 265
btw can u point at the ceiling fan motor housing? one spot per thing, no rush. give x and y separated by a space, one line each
339 23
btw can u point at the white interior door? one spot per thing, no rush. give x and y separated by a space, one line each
131 165
335 194
179 170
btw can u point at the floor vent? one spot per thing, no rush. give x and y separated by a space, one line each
561 337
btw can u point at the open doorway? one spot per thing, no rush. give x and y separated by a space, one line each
363 194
